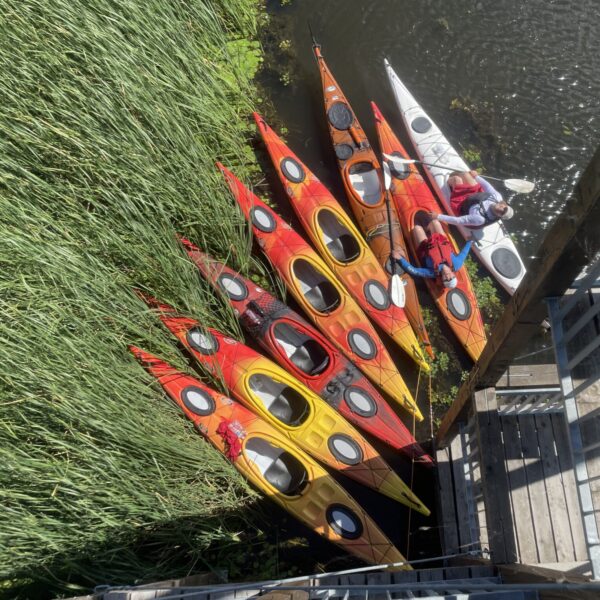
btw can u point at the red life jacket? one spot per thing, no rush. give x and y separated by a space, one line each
460 193
439 250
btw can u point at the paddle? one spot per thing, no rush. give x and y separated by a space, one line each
516 185
397 294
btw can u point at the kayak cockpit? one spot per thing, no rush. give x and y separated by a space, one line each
364 179
279 467
342 245
316 288
303 351
285 403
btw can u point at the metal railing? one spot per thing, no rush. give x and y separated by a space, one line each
573 320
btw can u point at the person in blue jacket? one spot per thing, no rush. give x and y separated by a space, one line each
434 252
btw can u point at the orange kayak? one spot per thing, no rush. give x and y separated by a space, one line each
340 244
308 355
284 402
361 173
321 296
280 470
412 195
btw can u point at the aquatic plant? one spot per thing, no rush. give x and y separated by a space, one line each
111 117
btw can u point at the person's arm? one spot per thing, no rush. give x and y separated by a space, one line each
415 271
459 259
489 188
470 220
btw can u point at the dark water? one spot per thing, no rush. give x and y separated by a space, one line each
530 70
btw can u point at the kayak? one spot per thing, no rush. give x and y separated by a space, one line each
361 174
281 400
340 244
412 196
307 355
280 470
492 245
321 296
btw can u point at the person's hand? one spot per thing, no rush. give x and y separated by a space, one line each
434 215
396 255
474 174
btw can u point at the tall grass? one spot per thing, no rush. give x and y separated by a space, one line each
111 117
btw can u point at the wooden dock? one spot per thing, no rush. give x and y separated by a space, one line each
506 483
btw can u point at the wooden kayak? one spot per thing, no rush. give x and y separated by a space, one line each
492 244
361 174
306 354
412 196
284 402
280 470
321 296
340 244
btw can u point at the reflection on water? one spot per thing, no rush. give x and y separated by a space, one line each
528 71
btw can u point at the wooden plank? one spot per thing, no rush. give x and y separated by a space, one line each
529 376
494 477
559 516
563 450
569 245
446 504
537 490
517 480
462 504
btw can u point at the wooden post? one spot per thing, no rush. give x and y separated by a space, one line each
569 246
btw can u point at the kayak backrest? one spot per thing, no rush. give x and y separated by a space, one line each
285 403
366 183
279 467
318 291
304 352
339 241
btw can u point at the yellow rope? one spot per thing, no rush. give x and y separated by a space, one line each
412 466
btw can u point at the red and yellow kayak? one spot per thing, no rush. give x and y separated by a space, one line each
412 195
306 354
284 402
340 244
279 469
361 173
321 296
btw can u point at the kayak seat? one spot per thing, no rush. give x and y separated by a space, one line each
290 407
323 297
344 248
365 181
303 351
287 474
310 358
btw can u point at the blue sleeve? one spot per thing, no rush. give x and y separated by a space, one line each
415 271
458 260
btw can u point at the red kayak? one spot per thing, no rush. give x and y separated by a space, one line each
413 197
305 353
281 400
320 294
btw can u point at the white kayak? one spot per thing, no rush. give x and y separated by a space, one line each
492 244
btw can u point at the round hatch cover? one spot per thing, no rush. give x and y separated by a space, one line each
507 263
421 124
340 116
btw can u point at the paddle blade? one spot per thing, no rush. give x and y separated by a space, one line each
519 185
397 293
387 176
398 160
